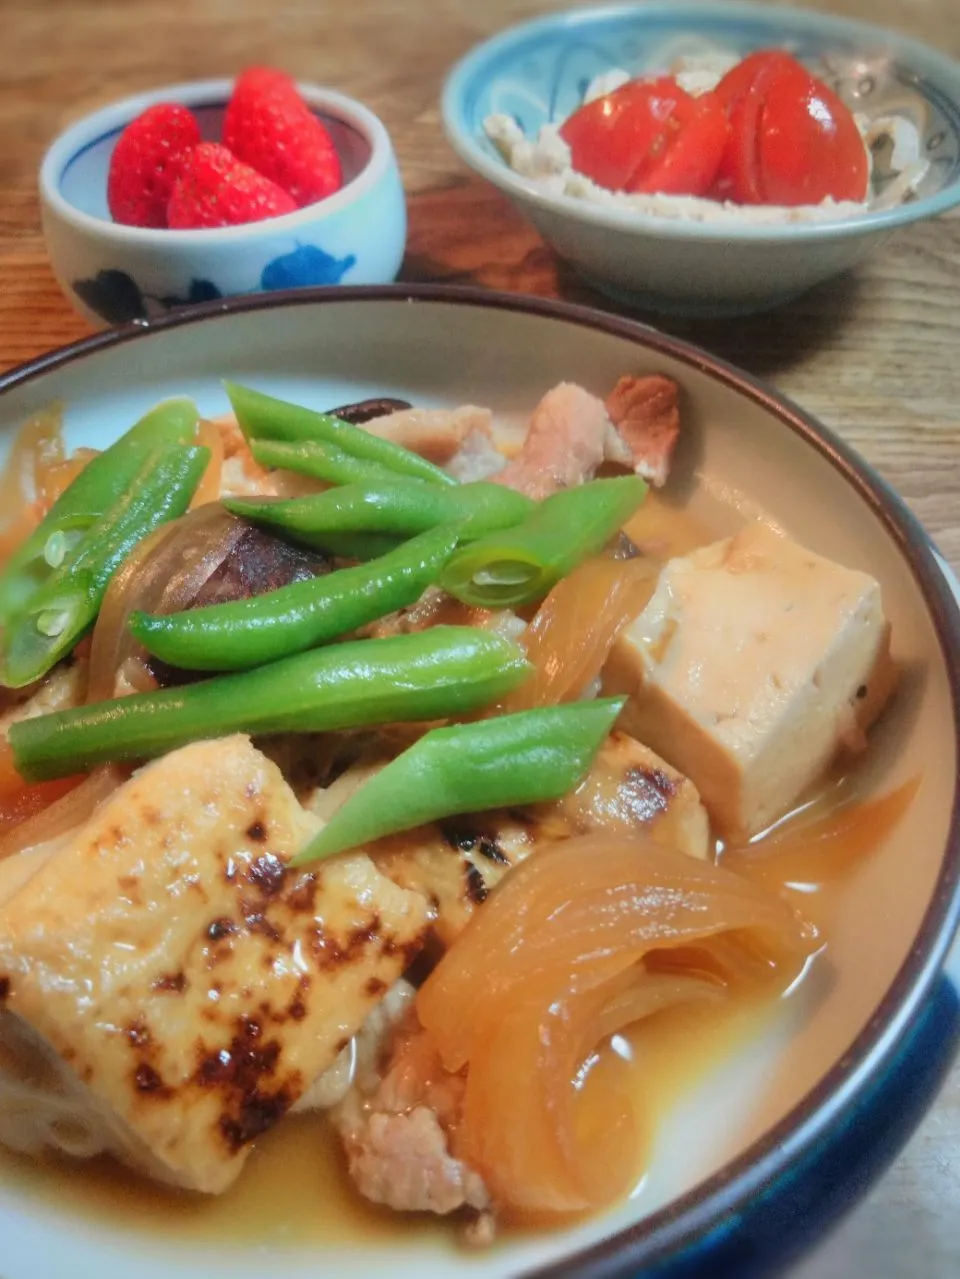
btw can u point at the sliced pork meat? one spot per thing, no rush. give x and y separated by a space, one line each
241 475
436 434
395 1123
478 458
564 444
646 415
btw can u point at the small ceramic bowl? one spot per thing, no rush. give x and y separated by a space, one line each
537 73
113 273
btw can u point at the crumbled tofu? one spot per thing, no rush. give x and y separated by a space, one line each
754 663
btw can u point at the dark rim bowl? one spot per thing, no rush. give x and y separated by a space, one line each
694 1216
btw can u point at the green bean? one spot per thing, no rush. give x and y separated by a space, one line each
398 508
320 460
245 633
262 417
522 564
101 482
444 671
65 606
495 763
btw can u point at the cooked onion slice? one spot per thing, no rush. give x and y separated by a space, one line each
571 635
578 942
63 812
163 574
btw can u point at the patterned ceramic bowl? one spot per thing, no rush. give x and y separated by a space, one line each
113 274
537 73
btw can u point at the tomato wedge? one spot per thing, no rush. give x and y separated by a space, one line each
688 156
610 136
809 146
792 140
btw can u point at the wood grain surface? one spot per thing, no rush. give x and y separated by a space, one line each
875 354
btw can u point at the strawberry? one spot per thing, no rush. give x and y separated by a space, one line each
270 127
145 163
215 189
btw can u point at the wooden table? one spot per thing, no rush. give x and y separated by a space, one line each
876 355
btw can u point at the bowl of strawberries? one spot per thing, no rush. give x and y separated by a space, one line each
220 188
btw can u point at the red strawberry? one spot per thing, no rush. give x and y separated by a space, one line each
145 164
269 126
215 189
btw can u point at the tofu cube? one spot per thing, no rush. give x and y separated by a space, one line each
754 663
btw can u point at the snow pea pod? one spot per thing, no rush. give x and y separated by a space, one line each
101 482
320 460
521 564
444 671
245 633
465 768
65 606
396 508
263 417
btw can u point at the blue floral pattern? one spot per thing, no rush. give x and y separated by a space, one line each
117 298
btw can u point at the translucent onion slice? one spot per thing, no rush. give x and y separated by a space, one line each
559 958
64 814
163 574
571 635
24 499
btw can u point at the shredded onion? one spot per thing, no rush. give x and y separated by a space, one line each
63 814
25 493
823 842
571 635
562 955
163 574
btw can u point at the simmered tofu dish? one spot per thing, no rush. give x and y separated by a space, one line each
388 764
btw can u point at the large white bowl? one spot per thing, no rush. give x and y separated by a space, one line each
537 73
745 1165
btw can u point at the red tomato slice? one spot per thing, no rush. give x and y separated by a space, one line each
739 79
609 136
809 146
689 154
742 92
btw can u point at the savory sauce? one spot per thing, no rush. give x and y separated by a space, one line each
295 1191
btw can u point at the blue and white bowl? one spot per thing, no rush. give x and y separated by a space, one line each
114 274
538 73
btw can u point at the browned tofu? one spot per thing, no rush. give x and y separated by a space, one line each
190 984
456 863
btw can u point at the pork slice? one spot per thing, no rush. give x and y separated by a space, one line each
564 444
646 415
395 1124
436 434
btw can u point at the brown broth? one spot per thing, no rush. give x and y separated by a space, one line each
294 1190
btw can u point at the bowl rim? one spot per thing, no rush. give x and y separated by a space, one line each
92 128
497 171
693 1216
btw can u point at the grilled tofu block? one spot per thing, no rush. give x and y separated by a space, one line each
454 864
168 988
753 664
